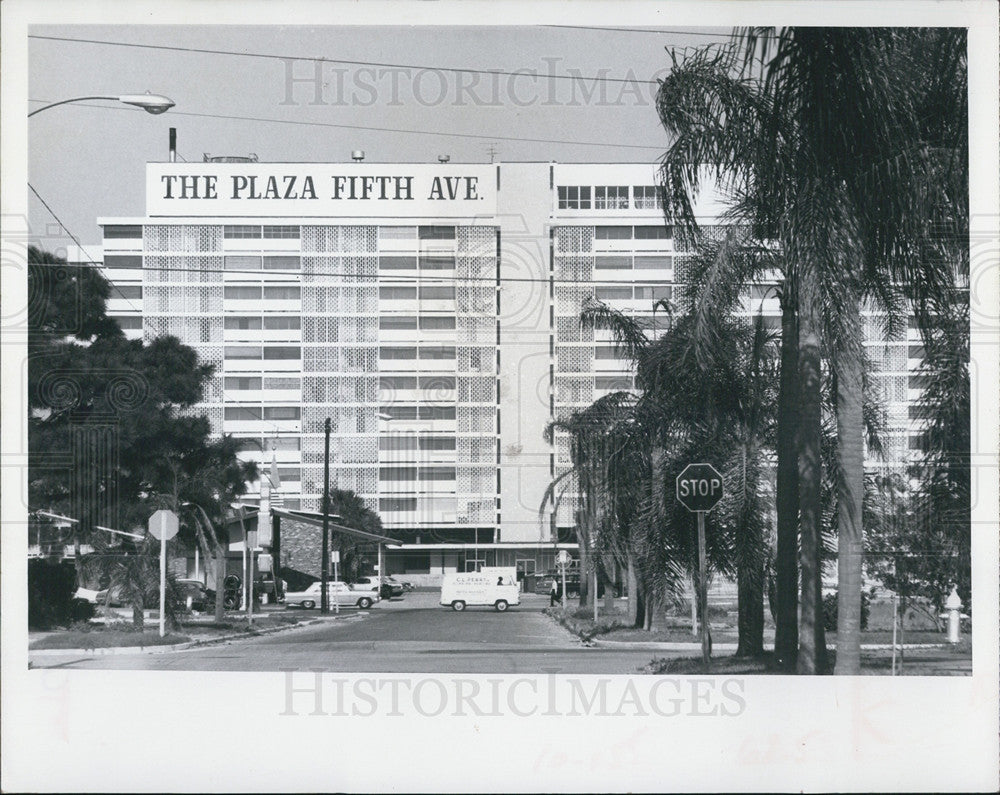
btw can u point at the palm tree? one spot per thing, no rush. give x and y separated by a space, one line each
817 136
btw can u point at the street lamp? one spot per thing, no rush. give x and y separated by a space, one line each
151 103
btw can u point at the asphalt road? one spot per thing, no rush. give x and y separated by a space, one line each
409 635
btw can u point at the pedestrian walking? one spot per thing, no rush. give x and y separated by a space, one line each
553 594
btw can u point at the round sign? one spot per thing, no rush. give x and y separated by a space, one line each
563 557
699 487
163 525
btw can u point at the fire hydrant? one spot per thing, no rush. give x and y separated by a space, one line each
954 607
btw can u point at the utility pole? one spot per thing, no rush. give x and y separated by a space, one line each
325 566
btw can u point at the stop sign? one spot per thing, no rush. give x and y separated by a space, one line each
699 487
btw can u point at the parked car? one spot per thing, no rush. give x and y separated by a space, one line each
387 589
202 598
340 593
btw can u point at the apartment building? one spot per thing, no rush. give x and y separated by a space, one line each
431 311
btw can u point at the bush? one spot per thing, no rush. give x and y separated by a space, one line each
830 611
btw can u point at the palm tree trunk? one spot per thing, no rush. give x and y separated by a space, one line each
750 621
633 591
138 616
220 583
810 473
850 532
786 636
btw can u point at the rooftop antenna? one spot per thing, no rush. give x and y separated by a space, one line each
493 152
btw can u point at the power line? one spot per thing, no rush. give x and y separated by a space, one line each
372 128
657 31
297 276
322 59
78 243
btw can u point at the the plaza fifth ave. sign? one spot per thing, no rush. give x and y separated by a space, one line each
699 487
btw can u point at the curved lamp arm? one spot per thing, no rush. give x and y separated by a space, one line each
151 103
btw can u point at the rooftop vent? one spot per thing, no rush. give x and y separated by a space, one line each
444 158
357 155
251 158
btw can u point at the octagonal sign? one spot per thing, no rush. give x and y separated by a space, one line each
699 487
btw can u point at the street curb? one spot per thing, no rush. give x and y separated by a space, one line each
174 647
688 646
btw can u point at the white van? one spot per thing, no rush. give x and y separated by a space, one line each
496 588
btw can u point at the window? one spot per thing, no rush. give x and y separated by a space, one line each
126 291
658 232
397 382
123 261
437 293
437 473
242 323
242 293
437 442
613 232
289 473
437 352
282 263
655 293
282 322
397 473
436 322
397 443
647 197
282 383
613 382
611 197
283 443
397 323
243 352
397 233
242 414
387 263
574 197
122 232
613 262
281 412
275 232
128 323
244 443
653 263
917 352
282 293
237 382
283 352
918 381
397 293
436 232
240 232
436 412
607 352
437 262
396 352
437 382
613 293
400 412
388 504
242 263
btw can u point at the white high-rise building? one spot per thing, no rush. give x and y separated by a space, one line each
431 311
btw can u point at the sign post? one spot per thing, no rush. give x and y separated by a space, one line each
563 562
699 489
335 558
163 525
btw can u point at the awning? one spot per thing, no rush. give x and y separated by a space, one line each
315 518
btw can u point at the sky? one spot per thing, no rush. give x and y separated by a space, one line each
402 102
